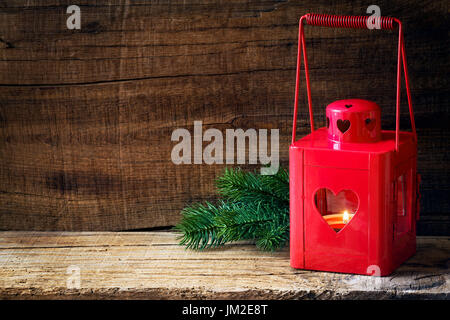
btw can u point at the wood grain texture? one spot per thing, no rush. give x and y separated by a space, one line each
151 265
86 115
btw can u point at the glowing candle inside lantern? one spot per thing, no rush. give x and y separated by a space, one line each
338 220
345 217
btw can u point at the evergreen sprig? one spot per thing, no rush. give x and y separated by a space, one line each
255 207
238 185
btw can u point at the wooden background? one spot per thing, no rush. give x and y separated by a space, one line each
86 115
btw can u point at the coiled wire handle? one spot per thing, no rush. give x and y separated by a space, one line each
355 22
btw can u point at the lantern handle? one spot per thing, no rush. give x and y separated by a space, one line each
355 22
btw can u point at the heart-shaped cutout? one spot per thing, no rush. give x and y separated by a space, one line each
348 106
337 210
328 122
343 125
370 124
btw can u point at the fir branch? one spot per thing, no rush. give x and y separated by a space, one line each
256 207
274 237
237 185
246 221
198 226
212 226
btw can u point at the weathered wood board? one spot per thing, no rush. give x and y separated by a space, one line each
151 265
86 115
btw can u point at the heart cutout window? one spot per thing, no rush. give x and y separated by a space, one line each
343 125
336 209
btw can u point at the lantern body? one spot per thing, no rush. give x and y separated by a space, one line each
353 196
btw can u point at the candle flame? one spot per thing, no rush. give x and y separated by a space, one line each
345 217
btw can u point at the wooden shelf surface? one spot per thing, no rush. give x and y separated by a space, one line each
151 265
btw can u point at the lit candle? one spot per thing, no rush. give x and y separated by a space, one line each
338 220
345 217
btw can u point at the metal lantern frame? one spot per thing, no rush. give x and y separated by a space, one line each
379 169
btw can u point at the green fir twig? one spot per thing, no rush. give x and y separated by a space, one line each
237 185
254 207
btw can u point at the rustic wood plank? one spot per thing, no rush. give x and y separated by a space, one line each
101 160
86 116
151 265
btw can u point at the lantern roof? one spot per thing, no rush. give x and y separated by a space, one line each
319 140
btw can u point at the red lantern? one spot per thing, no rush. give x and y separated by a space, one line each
353 187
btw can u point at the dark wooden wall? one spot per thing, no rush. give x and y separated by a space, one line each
86 115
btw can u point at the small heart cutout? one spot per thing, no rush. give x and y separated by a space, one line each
328 122
370 124
343 125
348 106
337 210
